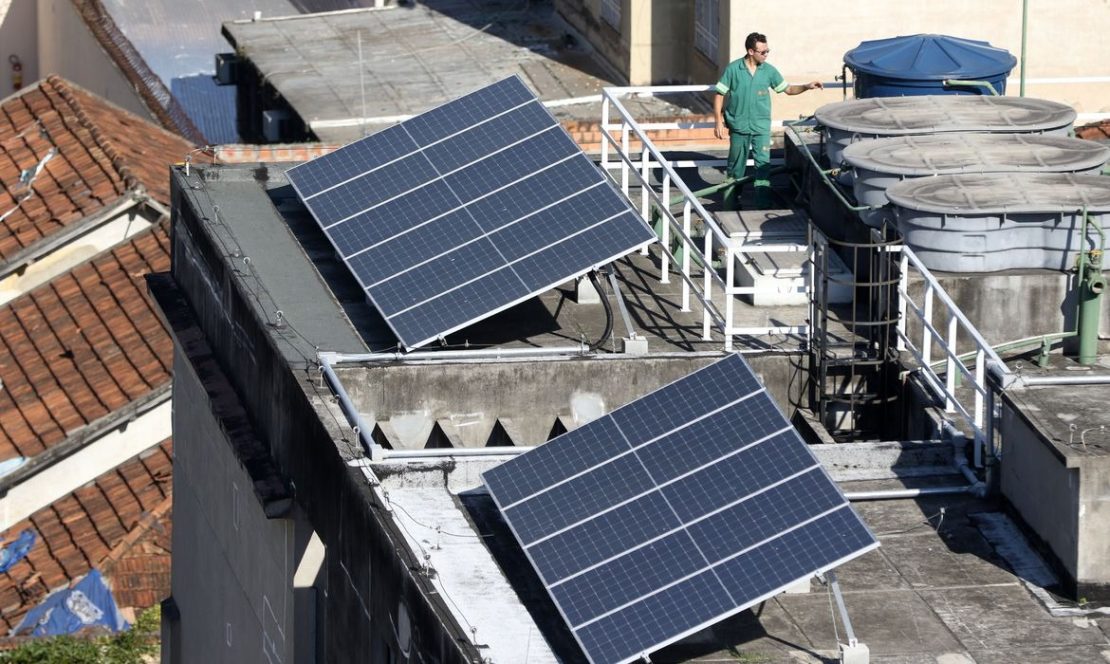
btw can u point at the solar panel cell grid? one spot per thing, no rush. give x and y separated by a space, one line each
408 209
702 502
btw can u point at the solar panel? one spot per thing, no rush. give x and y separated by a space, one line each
466 210
675 511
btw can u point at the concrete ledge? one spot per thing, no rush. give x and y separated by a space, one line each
270 488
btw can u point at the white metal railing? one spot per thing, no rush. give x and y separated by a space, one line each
956 330
697 281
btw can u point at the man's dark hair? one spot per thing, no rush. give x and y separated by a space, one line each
754 39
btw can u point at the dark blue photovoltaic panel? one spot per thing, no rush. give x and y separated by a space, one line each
467 111
461 306
734 477
513 164
414 247
593 542
527 196
337 167
706 441
698 501
696 601
579 498
392 218
486 139
429 280
581 250
764 515
413 210
702 392
554 461
373 188
627 578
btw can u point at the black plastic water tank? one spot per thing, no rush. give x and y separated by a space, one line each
919 65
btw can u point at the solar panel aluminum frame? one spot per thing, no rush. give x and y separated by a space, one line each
603 180
819 570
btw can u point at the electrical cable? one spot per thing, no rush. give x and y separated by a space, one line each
608 312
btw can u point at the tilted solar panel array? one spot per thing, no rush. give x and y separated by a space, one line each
461 212
674 512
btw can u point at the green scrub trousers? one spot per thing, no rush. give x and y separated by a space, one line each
739 147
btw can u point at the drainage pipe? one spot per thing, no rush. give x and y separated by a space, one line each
1090 287
1024 33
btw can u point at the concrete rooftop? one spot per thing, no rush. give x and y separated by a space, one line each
954 581
422 55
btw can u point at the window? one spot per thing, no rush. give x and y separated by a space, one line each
611 13
707 27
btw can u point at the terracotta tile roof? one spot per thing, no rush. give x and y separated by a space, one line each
120 523
102 152
1098 131
81 346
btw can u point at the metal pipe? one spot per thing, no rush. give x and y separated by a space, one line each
475 354
1089 287
448 452
804 148
1030 381
1024 32
345 403
898 494
953 83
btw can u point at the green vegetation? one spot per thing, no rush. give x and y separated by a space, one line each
135 646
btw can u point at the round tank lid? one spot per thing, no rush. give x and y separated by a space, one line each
1003 193
894 116
938 154
929 57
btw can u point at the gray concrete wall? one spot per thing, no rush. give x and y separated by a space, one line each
367 570
232 572
466 400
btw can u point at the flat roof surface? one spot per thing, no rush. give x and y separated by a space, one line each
938 590
419 56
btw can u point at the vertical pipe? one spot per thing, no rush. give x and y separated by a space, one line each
686 211
605 131
707 284
665 232
951 373
626 157
1024 32
981 389
903 306
730 256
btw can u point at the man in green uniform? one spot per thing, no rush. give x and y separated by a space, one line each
743 106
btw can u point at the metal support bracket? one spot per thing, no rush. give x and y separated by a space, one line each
853 652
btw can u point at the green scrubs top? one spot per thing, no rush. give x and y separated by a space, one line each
748 101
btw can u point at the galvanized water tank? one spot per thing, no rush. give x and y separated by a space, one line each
919 65
1000 221
880 163
848 122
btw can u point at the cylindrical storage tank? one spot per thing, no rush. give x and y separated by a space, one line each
881 163
848 122
920 64
1000 221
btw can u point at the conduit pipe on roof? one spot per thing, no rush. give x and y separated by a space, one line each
1006 379
975 486
448 452
475 354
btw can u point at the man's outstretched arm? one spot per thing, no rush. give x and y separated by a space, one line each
802 87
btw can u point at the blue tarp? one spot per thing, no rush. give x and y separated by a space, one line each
66 611
16 550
